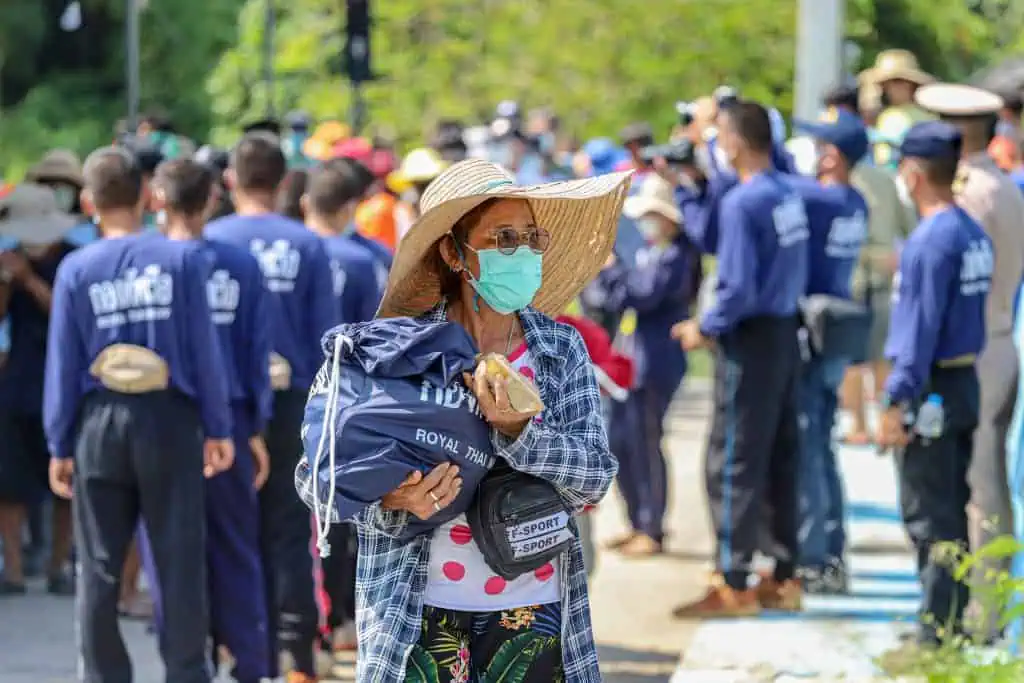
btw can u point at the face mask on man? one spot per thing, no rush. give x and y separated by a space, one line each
650 228
507 282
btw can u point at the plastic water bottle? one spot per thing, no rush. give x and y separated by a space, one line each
930 418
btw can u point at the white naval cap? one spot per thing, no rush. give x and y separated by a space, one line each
954 99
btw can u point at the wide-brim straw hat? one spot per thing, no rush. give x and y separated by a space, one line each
57 165
581 215
892 65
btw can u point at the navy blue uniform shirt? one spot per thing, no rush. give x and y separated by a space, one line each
660 288
837 217
240 307
382 257
356 289
762 253
21 379
298 275
938 299
141 289
701 207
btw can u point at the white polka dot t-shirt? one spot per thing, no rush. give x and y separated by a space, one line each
459 579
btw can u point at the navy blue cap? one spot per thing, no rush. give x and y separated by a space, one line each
841 128
931 140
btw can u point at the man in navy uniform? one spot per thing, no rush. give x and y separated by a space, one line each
753 446
991 198
297 273
936 332
134 383
837 215
240 309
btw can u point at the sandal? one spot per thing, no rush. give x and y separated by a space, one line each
619 542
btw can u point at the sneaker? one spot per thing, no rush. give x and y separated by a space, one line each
720 601
836 578
823 581
786 596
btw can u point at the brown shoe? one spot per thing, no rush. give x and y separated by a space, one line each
720 601
786 596
296 677
617 543
641 545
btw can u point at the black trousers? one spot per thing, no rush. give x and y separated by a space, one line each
339 574
286 534
751 464
140 455
933 498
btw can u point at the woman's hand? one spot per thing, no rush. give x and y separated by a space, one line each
425 496
492 396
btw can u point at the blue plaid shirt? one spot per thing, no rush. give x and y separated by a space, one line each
569 449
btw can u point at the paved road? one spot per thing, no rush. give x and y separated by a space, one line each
639 643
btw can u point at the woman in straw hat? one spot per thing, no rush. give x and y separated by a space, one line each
897 74
499 259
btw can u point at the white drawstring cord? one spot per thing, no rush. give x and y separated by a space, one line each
323 526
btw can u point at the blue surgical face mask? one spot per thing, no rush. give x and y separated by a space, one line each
507 282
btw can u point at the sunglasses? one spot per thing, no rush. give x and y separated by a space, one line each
507 240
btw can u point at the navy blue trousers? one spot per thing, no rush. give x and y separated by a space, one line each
238 608
822 529
140 456
635 432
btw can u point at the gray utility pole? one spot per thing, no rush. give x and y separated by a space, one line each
819 53
269 23
131 60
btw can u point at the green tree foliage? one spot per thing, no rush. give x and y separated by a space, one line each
599 63
66 89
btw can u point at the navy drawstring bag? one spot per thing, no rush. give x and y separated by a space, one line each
390 400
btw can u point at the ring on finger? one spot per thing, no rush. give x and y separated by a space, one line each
433 496
437 506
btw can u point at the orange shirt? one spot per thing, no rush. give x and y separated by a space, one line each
375 219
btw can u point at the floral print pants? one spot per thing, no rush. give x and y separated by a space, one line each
521 645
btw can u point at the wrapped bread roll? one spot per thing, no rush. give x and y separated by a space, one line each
522 393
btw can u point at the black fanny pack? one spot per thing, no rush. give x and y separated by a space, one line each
836 328
518 521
